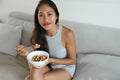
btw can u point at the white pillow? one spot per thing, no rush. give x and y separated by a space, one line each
10 37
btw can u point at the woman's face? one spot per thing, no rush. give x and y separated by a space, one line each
46 17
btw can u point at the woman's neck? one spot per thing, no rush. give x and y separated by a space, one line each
52 31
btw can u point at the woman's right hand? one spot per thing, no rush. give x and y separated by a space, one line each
21 50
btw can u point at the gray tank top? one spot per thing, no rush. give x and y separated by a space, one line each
56 48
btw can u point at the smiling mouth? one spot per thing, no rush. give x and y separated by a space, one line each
46 24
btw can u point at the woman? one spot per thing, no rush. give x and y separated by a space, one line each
58 40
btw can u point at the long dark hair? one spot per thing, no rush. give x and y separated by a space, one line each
38 32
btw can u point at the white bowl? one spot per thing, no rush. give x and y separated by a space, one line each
37 63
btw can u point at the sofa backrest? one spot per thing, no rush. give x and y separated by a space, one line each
89 38
95 38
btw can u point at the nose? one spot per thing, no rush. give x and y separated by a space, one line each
45 18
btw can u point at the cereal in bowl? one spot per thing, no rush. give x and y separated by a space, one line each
39 58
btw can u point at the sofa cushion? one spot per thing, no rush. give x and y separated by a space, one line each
94 72
11 68
97 66
10 37
26 31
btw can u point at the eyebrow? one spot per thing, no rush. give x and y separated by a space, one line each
41 12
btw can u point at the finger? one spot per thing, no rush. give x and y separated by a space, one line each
22 50
20 47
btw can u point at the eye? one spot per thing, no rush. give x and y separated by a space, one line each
40 15
49 14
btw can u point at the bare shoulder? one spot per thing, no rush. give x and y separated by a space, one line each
67 32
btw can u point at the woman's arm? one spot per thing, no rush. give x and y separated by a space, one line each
68 41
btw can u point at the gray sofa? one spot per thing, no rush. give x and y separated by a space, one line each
98 53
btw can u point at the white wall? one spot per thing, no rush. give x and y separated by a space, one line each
100 12
7 6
